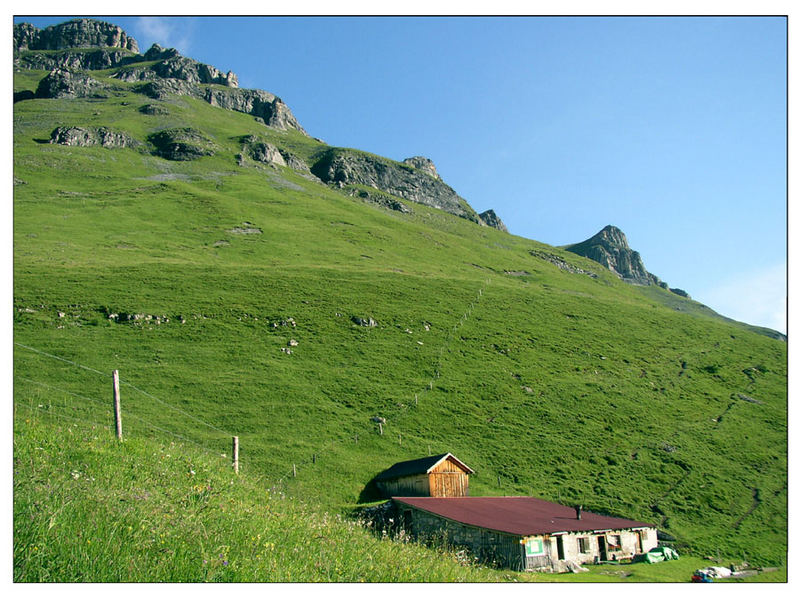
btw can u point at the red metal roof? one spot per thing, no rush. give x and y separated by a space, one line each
519 515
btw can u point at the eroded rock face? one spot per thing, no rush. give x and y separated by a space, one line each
61 83
423 164
76 60
609 247
78 33
491 219
91 136
342 167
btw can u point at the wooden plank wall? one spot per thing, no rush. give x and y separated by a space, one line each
447 480
413 485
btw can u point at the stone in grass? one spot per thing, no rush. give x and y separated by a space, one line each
368 322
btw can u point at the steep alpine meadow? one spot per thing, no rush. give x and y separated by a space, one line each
238 296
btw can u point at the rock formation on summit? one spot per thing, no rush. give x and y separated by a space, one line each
78 33
609 247
423 164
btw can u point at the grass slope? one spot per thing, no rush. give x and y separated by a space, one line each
548 383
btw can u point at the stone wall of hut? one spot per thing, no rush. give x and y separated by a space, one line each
492 547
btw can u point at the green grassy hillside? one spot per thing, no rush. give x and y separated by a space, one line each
546 382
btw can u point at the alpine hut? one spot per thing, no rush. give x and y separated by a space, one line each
440 476
524 533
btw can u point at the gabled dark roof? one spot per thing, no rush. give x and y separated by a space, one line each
518 515
418 466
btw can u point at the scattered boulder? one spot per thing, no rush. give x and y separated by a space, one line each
368 322
181 143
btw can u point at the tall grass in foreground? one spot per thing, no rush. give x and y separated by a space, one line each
89 509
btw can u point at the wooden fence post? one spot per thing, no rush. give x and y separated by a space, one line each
117 410
380 428
236 454
400 435
294 470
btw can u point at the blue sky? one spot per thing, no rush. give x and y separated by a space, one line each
671 128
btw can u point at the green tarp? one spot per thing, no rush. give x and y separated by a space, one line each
655 555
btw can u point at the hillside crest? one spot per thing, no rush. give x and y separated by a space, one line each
82 45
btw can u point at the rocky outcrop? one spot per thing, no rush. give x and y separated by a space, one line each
609 247
490 219
91 136
181 143
262 151
78 33
423 164
258 103
340 166
61 83
171 65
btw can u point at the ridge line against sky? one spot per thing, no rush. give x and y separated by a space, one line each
681 146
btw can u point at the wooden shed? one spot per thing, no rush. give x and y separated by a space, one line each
524 533
440 476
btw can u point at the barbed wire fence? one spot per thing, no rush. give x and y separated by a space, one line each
68 405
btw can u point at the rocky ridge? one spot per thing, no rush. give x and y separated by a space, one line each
86 44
